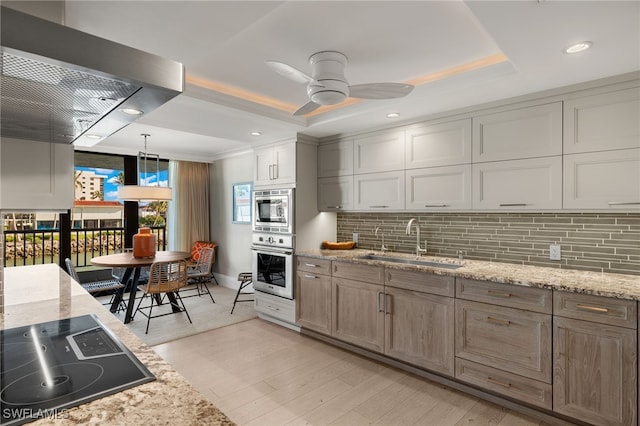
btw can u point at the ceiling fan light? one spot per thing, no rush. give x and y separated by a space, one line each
328 97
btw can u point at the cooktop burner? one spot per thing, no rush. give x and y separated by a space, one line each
47 367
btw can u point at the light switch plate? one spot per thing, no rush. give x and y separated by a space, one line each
554 252
355 238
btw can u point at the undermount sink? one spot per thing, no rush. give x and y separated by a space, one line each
411 261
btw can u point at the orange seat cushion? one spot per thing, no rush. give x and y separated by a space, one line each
198 246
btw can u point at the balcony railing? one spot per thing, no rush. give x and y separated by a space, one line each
33 247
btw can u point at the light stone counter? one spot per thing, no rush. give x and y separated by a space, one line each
40 293
601 284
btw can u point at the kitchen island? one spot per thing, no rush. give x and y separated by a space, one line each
40 293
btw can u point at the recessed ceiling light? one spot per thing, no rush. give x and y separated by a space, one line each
578 47
92 136
131 111
255 133
393 115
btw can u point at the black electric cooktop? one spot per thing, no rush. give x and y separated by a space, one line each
48 367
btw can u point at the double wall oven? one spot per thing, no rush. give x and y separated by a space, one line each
273 242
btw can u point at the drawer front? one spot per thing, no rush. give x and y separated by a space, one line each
352 271
420 281
277 307
604 310
509 339
511 385
529 298
314 265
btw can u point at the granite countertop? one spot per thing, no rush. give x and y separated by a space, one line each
619 286
39 293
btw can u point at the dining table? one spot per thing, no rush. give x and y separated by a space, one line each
133 266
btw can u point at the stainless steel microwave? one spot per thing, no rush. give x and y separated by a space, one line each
273 210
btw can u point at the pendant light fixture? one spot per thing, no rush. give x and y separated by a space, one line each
143 192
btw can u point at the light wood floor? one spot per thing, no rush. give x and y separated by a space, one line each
258 373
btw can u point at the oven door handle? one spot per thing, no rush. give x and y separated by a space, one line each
272 250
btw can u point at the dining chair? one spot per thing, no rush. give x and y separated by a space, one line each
165 278
196 250
200 274
95 287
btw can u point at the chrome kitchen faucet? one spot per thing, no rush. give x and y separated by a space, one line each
383 248
408 231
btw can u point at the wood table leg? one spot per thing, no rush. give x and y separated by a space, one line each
132 295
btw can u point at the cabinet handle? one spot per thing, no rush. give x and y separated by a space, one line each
378 207
311 265
272 308
498 293
436 205
387 304
270 171
379 303
498 382
275 171
334 207
499 321
624 203
513 204
592 308
310 276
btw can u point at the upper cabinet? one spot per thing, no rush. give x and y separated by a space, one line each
602 122
35 175
571 149
335 159
528 132
379 152
602 180
441 144
275 165
530 184
438 188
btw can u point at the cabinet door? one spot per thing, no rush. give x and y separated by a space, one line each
602 122
284 160
594 373
442 144
335 193
263 166
275 165
335 159
357 313
438 188
313 307
509 339
379 191
518 133
602 180
518 184
419 329
36 175
379 152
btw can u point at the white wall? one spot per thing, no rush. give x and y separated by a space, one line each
233 240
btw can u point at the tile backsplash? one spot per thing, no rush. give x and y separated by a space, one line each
601 242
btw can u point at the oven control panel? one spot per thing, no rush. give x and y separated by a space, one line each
272 240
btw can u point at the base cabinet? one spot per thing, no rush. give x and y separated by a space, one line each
313 291
357 313
595 362
569 353
419 329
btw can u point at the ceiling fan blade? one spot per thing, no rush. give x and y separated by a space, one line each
289 72
307 108
380 90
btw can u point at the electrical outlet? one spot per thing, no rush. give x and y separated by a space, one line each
554 252
355 237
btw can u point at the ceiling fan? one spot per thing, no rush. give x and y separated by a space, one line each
327 84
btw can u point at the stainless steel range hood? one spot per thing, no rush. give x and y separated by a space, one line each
62 85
